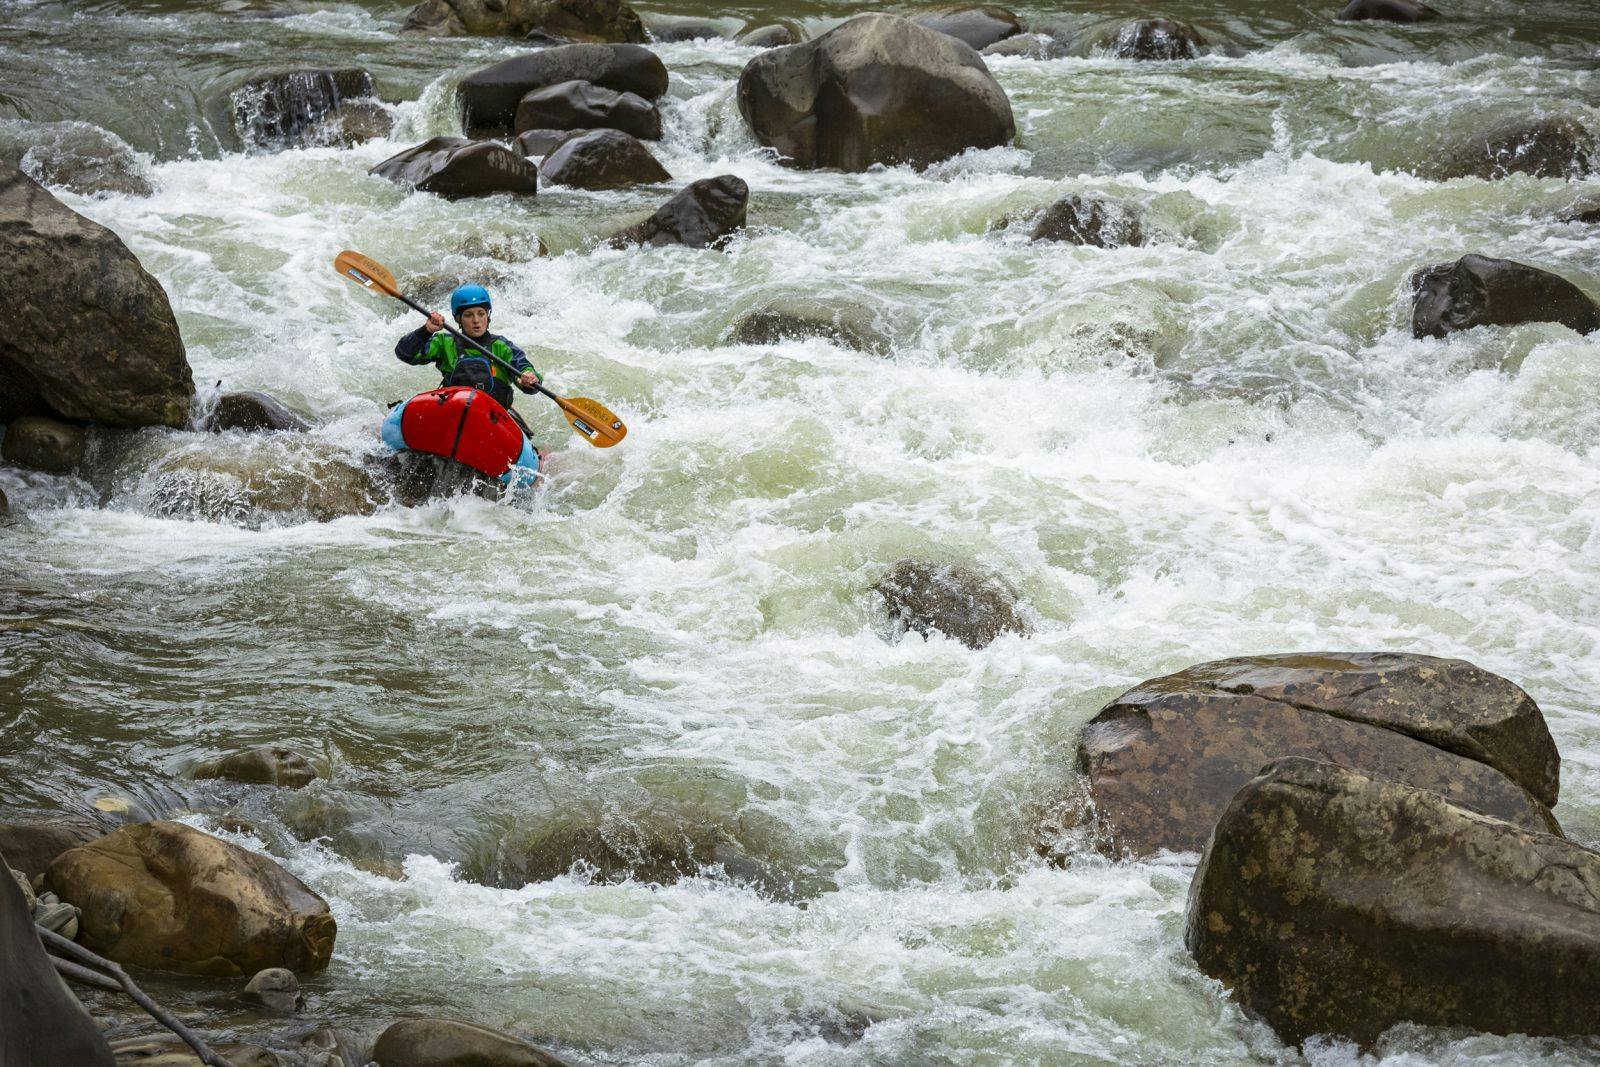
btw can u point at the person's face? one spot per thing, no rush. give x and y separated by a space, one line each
474 321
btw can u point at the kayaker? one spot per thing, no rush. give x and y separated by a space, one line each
461 364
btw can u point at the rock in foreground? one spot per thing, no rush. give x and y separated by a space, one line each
1331 902
165 896
705 215
1480 291
456 166
448 1043
924 596
101 345
878 89
1164 759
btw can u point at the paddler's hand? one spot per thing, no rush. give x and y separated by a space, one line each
528 379
435 323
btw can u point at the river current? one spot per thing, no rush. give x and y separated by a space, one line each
1223 442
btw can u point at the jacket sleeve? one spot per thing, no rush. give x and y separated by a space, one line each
519 360
414 347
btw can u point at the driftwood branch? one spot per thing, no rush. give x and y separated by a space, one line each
83 975
57 943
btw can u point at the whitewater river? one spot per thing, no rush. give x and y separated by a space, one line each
1225 442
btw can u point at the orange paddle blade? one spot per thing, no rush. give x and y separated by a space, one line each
366 272
592 419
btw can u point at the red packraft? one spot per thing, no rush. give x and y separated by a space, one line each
463 424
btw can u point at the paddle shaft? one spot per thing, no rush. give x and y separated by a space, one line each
459 336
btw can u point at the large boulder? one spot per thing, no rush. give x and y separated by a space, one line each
578 105
292 107
1162 760
166 896
790 319
1082 220
878 89
1386 11
978 27
925 596
449 1043
1543 148
1480 291
101 344
705 215
489 97
1151 39
44 444
545 20
30 847
45 1026
602 159
256 487
457 167
1334 902
538 143
266 765
252 412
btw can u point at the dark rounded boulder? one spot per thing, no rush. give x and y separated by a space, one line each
290 108
549 20
978 27
1387 11
706 214
774 35
102 345
579 105
450 1043
252 412
1081 220
541 143
1154 39
686 30
878 89
44 444
266 765
489 97
1162 760
1543 148
1480 291
1334 902
456 166
925 596
603 159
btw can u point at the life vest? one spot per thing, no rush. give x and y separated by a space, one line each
444 351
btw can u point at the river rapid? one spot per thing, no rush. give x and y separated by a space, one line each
1224 442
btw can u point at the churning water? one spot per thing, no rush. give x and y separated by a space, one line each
1220 443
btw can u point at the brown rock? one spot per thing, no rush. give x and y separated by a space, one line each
1481 291
1332 902
1387 11
30 847
165 896
448 1043
1080 221
705 215
275 989
252 412
44 444
923 596
578 105
101 345
302 485
603 159
171 1052
489 97
548 20
977 27
267 765
1163 759
456 166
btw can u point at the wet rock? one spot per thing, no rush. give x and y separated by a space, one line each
252 412
773 36
533 143
171 1052
448 1043
1386 11
252 488
25 884
30 847
416 478
878 89
546 20
1029 46
1543 148
686 30
658 847
79 156
5 506
458 167
1162 760
289 108
275 989
357 122
705 215
1480 291
1081 220
335 1047
603 159
978 27
44 444
1155 39
267 765
489 97
1587 213
168 897
101 345
578 105
44 1023
58 917
788 319
925 596
1334 902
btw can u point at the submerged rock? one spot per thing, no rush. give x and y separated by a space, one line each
255 486
1387 11
252 412
1079 220
79 156
450 1043
336 1047
1162 760
560 20
1587 213
705 215
603 159
267 765
1029 46
925 596
1479 291
293 108
101 345
275 989
489 97
1334 902
457 167
1153 39
878 89
773 36
168 897
978 27
44 444
788 319
687 30
579 105
1543 148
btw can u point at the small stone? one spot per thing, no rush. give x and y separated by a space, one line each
54 916
773 36
276 989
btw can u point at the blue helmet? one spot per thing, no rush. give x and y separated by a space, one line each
469 296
